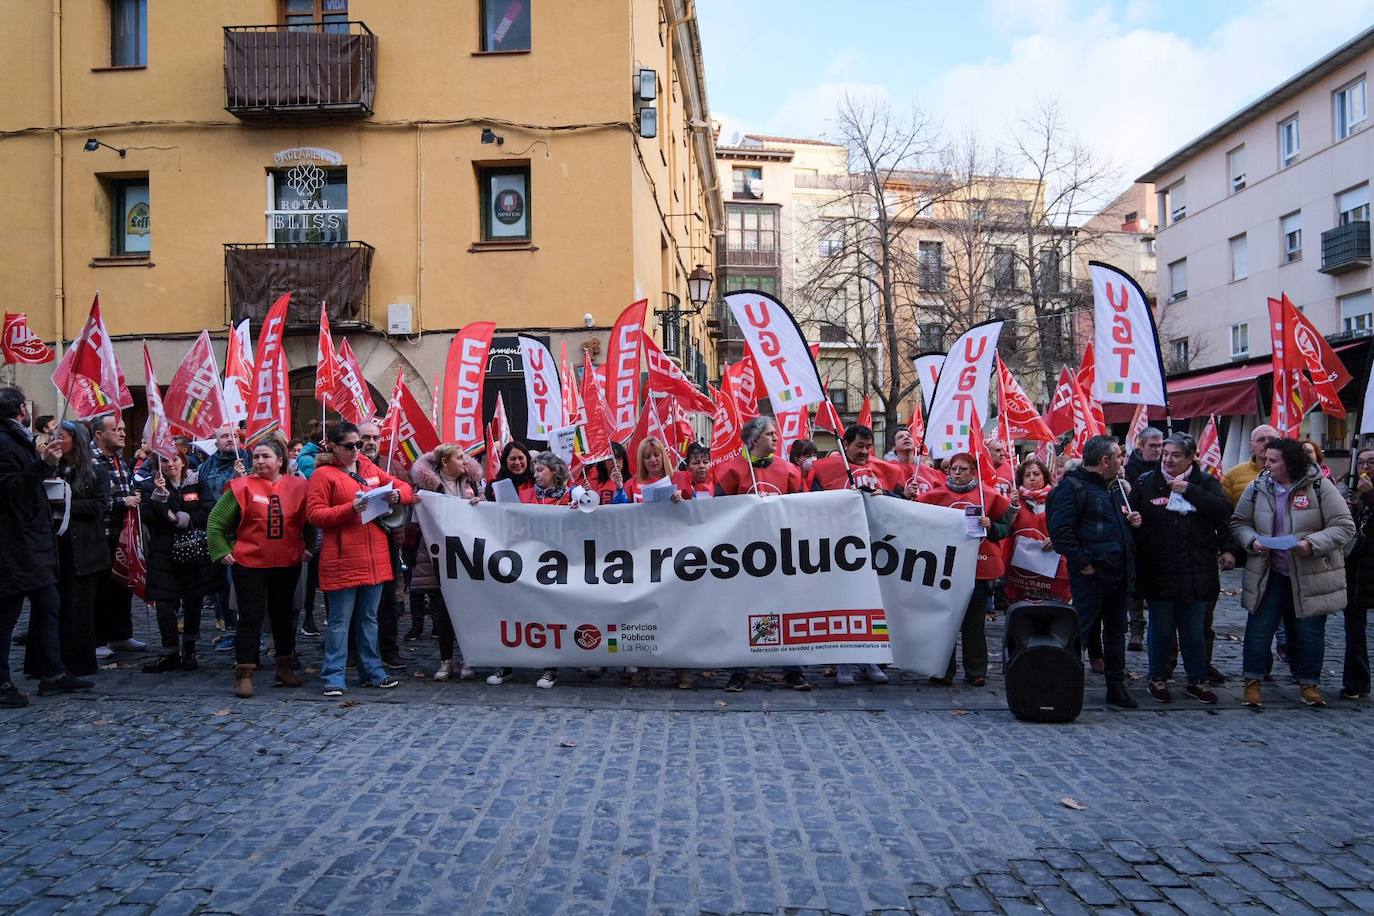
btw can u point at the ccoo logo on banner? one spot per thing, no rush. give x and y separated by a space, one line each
733 581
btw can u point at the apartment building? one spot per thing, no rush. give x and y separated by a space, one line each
411 166
1275 199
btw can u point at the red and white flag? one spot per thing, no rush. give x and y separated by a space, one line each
269 405
543 394
406 432
573 414
238 373
1015 410
866 413
89 376
1140 421
1060 416
597 427
195 401
1085 425
351 397
978 447
1128 369
827 417
1306 347
1087 381
665 378
917 427
500 423
157 432
21 345
622 370
793 426
725 427
964 385
779 349
128 565
1045 452
326 362
743 388
465 373
1209 449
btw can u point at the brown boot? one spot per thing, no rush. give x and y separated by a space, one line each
243 681
286 672
1252 695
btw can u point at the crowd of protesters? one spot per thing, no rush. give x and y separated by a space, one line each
252 535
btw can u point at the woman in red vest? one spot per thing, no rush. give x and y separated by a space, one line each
257 529
607 477
1031 524
962 490
651 464
696 481
355 556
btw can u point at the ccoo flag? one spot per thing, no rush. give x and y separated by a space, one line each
622 370
238 373
195 401
780 353
157 433
465 372
1129 369
351 397
269 405
406 431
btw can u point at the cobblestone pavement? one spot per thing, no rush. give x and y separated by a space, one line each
163 793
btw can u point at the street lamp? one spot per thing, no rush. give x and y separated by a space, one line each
699 287
93 144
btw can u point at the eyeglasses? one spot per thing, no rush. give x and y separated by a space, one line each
351 446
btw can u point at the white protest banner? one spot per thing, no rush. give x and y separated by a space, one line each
1129 370
928 366
732 581
963 387
779 349
543 394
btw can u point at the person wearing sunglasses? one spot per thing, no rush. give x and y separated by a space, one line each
355 556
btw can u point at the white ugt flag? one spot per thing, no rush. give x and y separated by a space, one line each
543 393
1128 369
780 351
928 366
963 388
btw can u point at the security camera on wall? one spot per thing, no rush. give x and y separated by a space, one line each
588 320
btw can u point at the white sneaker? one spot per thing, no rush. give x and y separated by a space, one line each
547 679
129 645
875 674
844 675
498 677
445 671
103 652
466 673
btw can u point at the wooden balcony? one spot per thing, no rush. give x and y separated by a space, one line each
256 274
752 257
275 73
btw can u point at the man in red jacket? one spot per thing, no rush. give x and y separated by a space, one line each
963 490
759 471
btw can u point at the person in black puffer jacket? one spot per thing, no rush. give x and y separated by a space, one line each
172 510
1359 579
1185 527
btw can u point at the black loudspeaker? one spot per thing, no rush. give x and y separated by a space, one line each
1043 661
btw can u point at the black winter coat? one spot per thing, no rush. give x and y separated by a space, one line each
1176 552
1137 467
169 580
1087 525
28 550
85 538
1359 566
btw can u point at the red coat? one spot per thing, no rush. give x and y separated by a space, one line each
778 476
1023 584
351 554
830 473
995 506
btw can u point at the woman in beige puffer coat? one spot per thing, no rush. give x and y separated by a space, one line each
1302 584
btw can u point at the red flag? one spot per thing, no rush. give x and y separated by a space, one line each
1140 421
1015 411
1085 425
917 427
406 432
572 398
269 406
743 387
500 424
157 432
681 429
327 371
492 465
350 396
792 426
1087 374
434 402
1060 417
1045 452
195 401
622 369
866 413
725 427
89 376
987 473
827 417
1307 350
238 373
1209 449
666 378
598 424
20 344
129 565
465 373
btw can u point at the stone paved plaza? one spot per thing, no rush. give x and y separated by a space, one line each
164 793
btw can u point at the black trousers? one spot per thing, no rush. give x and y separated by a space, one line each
76 629
1095 598
269 593
114 619
190 621
973 634
443 626
42 652
312 588
1355 673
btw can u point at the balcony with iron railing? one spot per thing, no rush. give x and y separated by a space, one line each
1345 248
752 257
275 73
339 275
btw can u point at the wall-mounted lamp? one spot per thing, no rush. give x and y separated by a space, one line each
93 144
491 136
645 91
646 85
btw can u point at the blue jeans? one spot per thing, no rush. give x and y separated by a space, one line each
1187 618
1307 635
341 605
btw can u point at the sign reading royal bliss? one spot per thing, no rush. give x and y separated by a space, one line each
733 581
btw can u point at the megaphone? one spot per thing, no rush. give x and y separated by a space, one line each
585 499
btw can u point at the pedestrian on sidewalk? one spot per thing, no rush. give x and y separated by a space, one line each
28 555
1300 578
114 622
258 530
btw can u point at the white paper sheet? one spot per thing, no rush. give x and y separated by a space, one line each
1279 542
973 522
659 491
375 504
504 491
1028 554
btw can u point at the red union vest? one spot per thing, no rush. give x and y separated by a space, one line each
830 474
271 521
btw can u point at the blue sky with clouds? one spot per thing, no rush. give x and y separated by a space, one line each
1136 79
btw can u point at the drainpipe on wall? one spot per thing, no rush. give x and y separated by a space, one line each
58 294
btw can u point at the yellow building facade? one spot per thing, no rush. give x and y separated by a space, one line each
415 165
